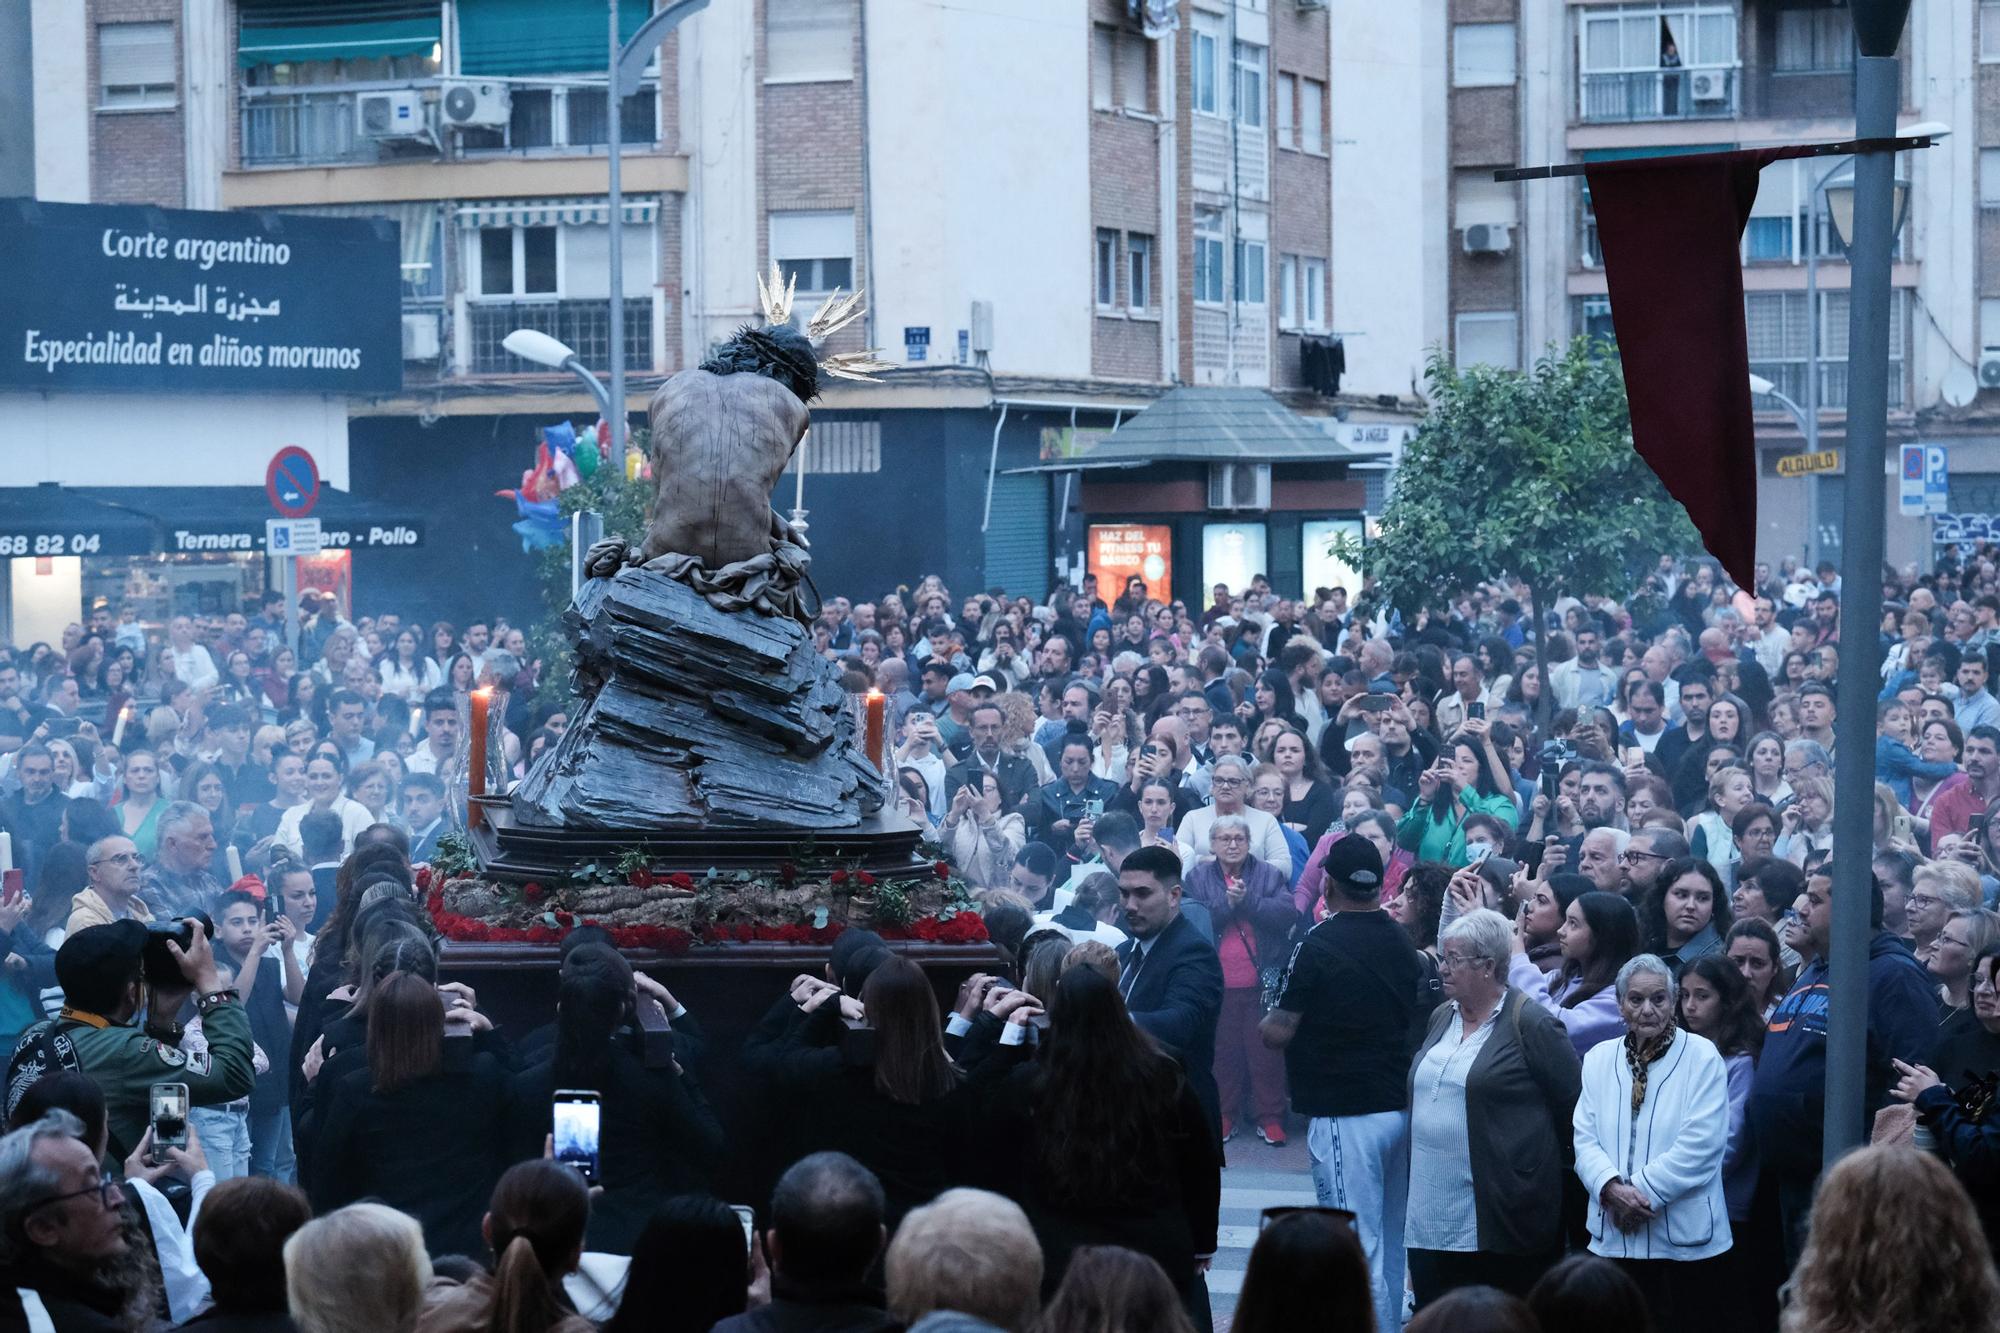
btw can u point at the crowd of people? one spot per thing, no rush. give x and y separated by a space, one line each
1517 915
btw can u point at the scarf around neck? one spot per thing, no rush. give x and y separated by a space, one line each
1638 1056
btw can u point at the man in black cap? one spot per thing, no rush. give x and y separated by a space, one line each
102 977
1344 1019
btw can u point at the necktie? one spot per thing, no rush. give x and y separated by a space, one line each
1131 974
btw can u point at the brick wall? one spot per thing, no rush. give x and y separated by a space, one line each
1183 239
1301 182
809 157
136 157
1125 198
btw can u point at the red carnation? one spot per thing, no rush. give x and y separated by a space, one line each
788 872
565 920
423 876
533 892
641 878
680 879
867 880
942 869
838 877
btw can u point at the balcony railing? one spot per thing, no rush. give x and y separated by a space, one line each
1789 378
291 128
285 127
584 325
1662 94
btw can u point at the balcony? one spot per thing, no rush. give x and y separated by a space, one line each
1657 94
584 325
294 127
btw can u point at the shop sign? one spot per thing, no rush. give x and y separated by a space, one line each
1119 550
100 297
334 535
1800 465
70 543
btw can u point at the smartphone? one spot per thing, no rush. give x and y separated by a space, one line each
1479 860
577 1112
169 1114
64 726
748 1217
1477 708
1093 808
1376 703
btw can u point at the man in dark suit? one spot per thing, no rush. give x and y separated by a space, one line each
1016 775
1170 977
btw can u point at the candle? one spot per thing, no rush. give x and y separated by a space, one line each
6 852
799 494
475 769
235 863
873 742
118 731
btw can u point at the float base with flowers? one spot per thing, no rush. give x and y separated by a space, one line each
651 897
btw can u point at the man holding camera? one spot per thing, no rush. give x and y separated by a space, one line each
108 973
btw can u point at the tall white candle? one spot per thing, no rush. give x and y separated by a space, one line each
235 863
6 852
799 493
118 731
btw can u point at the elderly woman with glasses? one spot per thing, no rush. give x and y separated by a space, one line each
1652 1126
1229 783
1492 1091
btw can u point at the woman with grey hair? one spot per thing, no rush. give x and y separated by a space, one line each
1651 1127
1492 1091
1229 786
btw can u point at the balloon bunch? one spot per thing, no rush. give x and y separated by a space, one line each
562 459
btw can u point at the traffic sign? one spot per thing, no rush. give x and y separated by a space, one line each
1800 465
1910 482
292 482
291 536
1937 480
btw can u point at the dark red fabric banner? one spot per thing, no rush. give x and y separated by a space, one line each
1671 229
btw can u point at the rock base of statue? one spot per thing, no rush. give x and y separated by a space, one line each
697 719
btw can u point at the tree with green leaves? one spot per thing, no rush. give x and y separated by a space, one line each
1531 474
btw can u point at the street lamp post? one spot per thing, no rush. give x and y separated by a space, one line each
533 345
628 62
1878 29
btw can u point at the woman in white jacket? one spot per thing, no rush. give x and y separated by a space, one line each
1652 1125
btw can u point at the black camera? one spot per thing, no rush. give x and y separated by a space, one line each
1555 754
161 968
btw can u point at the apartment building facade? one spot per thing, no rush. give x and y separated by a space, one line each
1058 208
1590 80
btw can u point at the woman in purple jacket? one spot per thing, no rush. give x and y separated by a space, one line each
1250 902
1600 931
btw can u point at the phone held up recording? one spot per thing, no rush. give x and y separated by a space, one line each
169 1114
577 1117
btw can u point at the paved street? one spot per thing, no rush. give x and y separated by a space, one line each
1259 1177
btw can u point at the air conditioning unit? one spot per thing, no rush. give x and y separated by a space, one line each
1239 486
1488 238
476 105
1709 85
396 114
420 335
1989 369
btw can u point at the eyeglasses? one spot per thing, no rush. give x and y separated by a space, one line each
1452 962
1631 854
116 858
106 1189
1924 900
1225 782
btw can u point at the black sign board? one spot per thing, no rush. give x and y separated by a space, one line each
169 300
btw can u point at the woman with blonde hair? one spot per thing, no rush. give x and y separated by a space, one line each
1895 1245
359 1269
1017 731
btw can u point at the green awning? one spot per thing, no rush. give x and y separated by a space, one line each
280 32
504 37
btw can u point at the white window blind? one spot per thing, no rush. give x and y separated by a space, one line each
808 40
1107 269
1312 292
1139 254
1482 55
1135 76
1101 61
1288 96
1288 278
1989 30
1481 199
136 65
1312 110
1989 177
817 246
1989 324
1487 339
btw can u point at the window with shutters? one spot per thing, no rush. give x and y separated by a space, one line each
1135 72
1103 42
1488 339
1989 30
1312 293
1208 255
1203 92
1107 269
816 248
808 41
136 69
1312 112
1288 96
